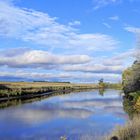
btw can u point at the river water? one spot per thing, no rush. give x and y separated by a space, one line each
78 116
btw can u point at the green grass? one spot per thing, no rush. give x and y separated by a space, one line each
115 86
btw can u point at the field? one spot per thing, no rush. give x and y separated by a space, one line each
25 89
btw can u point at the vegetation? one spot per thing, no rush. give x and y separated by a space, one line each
114 85
12 90
131 104
131 131
131 78
104 85
131 87
30 99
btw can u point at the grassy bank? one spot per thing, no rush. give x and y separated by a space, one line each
9 90
19 101
130 131
114 86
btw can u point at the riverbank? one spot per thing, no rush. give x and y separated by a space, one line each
18 101
17 90
130 131
131 103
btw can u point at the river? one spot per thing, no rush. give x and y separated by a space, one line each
85 115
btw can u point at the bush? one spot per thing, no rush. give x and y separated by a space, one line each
131 78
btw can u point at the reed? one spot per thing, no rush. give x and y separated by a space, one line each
130 131
18 89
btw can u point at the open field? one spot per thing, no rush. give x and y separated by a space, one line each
22 89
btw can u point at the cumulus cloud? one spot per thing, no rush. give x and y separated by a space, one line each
115 64
25 58
60 76
69 67
40 28
38 58
98 68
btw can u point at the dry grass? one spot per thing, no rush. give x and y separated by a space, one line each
10 89
45 84
131 130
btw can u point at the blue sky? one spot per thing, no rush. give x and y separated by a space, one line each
65 40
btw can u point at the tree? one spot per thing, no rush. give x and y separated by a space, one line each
131 78
101 83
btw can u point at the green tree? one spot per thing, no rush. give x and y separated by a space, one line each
131 78
101 83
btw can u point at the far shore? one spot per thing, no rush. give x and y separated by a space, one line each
26 90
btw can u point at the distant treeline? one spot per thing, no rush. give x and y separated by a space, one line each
103 84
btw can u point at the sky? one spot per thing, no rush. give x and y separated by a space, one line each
68 40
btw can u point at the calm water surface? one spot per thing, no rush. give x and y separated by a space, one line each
78 116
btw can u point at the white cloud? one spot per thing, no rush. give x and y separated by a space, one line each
101 3
107 25
114 65
94 42
38 58
95 68
74 23
40 28
132 29
63 76
69 67
135 31
115 18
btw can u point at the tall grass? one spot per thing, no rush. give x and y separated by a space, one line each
130 131
14 89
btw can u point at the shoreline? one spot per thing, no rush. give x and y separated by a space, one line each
17 101
31 96
27 90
